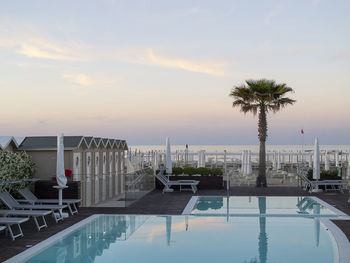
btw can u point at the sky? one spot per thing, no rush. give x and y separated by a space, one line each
145 70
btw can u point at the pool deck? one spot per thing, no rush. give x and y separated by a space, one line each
160 204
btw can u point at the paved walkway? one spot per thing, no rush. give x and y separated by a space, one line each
160 204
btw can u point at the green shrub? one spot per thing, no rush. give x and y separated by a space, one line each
190 170
178 170
15 166
202 171
216 171
324 175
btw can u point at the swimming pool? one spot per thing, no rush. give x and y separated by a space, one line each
255 205
190 238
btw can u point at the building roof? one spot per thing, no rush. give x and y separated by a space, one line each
105 141
6 140
88 140
49 142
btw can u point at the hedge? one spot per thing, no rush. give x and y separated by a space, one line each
324 175
15 166
200 170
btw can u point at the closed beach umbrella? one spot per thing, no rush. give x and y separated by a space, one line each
310 160
326 161
250 169
337 159
245 162
316 169
279 161
156 160
246 166
60 174
203 158
200 159
274 164
348 168
168 163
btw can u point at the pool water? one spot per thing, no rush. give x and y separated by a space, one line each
252 205
205 239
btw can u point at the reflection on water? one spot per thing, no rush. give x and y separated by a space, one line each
85 244
205 204
262 234
251 205
194 239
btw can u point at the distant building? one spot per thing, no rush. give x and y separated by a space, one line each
96 163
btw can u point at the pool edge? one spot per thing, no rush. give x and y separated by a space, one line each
341 241
32 251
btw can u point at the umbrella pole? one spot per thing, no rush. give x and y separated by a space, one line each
60 188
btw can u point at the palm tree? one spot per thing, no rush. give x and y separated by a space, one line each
261 96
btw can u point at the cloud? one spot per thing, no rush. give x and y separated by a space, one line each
80 79
208 67
26 40
272 14
42 48
147 56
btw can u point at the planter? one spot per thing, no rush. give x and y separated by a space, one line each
45 190
205 182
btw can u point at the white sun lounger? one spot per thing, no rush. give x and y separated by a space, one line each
9 221
168 184
30 197
13 204
29 213
335 185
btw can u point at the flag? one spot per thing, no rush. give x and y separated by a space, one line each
302 131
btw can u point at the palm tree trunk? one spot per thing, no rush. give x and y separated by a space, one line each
262 133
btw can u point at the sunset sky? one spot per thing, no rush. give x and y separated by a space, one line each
144 70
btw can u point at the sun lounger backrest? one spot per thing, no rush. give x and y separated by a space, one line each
8 200
27 194
164 177
160 178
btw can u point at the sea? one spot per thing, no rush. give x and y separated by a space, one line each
239 148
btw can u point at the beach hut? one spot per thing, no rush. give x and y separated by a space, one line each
111 168
86 157
8 143
105 167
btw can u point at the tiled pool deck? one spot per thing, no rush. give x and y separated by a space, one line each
158 203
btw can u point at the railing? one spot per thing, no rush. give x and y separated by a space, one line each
137 184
